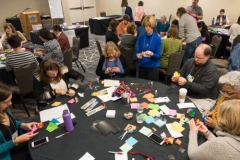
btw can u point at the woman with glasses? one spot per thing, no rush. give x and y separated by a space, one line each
230 90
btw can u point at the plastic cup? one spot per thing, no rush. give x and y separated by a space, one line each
140 109
139 117
182 95
126 98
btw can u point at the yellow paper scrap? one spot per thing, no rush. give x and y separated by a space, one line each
149 95
179 116
56 104
153 112
176 126
134 99
152 100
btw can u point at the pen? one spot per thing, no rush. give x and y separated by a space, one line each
62 135
115 152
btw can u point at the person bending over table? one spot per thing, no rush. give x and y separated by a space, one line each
13 145
204 32
52 80
61 38
226 145
149 50
230 90
18 58
170 45
111 33
221 19
122 26
189 32
51 48
129 39
200 77
9 31
112 64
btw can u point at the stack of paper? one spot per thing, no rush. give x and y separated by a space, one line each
176 126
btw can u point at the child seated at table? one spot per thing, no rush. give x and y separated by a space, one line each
112 64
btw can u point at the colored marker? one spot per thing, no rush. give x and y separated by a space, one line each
62 135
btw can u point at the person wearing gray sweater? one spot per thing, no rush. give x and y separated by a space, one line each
189 32
226 146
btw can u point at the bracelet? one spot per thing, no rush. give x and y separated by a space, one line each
14 142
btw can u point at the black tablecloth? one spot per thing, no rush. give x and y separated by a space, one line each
82 139
80 32
100 26
222 47
16 23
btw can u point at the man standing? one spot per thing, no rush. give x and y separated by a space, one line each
162 26
200 77
195 10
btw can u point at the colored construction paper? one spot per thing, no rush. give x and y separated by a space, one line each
153 112
172 112
33 129
149 120
126 147
134 105
172 132
71 101
152 100
176 126
54 120
145 105
145 131
131 141
56 104
149 95
153 106
134 99
51 127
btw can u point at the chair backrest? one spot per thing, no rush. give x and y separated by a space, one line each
236 40
129 53
68 58
24 77
103 14
174 62
57 20
76 46
99 48
47 23
216 40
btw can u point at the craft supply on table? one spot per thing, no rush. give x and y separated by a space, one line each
67 121
86 105
103 106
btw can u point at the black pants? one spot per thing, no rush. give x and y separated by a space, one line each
149 73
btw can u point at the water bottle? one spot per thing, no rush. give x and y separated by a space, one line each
67 121
213 22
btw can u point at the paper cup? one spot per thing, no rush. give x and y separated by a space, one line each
182 95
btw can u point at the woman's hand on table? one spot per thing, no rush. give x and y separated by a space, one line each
71 93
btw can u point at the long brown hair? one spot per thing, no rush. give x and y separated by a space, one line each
124 3
46 65
11 26
5 92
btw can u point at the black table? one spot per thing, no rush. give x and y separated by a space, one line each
82 139
16 23
80 32
99 26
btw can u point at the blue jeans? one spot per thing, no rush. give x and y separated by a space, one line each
189 49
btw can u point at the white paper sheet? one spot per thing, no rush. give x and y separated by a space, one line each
111 83
108 97
87 156
165 109
186 105
172 132
122 156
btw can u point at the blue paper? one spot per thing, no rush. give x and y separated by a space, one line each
54 120
149 119
131 141
160 122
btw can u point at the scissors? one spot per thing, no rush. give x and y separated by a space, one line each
127 131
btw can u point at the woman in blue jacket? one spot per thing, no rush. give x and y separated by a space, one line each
12 145
149 49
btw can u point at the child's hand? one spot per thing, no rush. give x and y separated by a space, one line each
108 70
115 69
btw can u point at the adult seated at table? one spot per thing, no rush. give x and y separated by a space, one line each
227 143
51 48
204 32
189 32
200 77
195 10
111 33
129 39
234 59
170 45
230 90
52 80
13 144
221 19
139 13
162 26
112 64
234 31
18 58
61 38
122 26
9 31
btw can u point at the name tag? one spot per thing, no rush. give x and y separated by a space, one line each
15 135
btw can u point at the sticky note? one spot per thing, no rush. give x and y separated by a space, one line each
172 112
144 115
134 99
71 101
126 147
131 141
145 131
51 127
144 105
152 100
149 120
153 106
153 112
177 127
178 142
149 95
160 122
54 120
172 132
134 105
56 104
179 116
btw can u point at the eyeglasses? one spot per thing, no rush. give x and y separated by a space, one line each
229 94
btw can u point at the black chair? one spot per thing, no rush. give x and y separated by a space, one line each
68 58
174 63
24 78
103 14
75 49
129 55
99 48
215 42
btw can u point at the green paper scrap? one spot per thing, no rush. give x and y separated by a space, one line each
186 120
51 127
126 147
153 106
144 115
145 131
